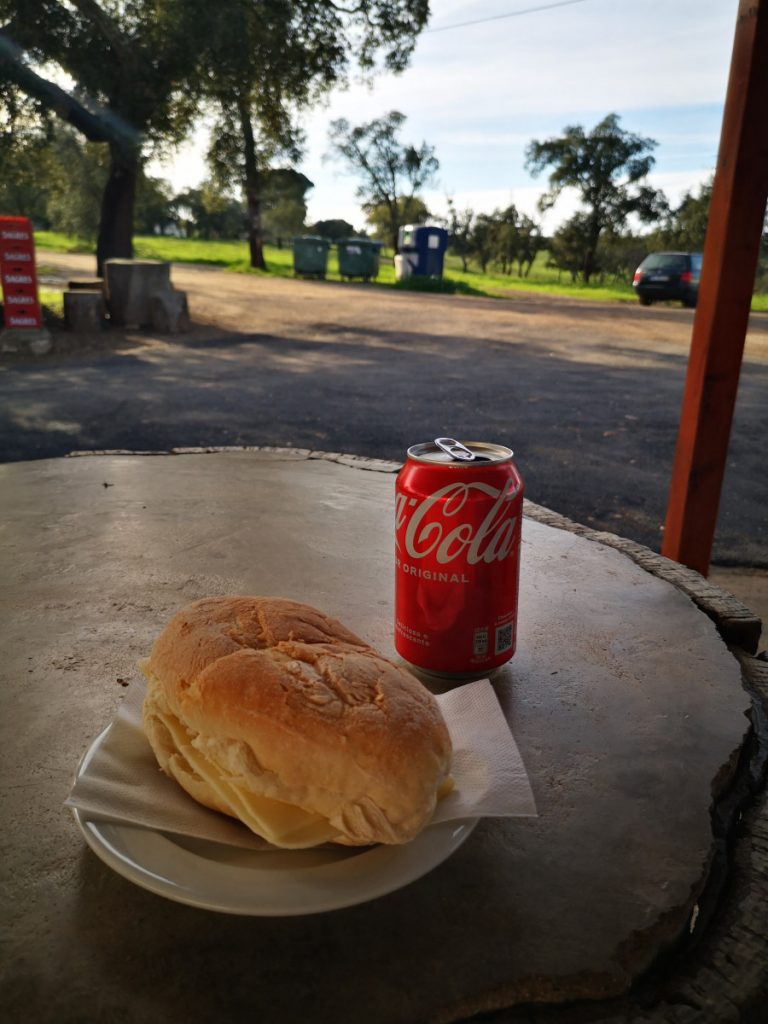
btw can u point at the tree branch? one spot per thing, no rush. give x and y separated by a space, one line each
96 127
105 25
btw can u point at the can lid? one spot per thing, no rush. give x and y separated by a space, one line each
445 451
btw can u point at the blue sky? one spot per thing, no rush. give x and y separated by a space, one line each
479 93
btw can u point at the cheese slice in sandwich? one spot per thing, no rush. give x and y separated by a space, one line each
269 711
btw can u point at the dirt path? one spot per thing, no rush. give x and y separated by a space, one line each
621 334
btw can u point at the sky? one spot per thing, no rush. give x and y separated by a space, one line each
488 76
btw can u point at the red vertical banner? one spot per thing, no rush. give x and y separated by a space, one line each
18 276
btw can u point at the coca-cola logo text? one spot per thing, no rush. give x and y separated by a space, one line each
435 527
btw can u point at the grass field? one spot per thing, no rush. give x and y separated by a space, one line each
233 256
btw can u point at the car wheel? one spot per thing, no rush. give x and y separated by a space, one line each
645 300
690 302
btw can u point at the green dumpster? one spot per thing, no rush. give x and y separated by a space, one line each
310 255
358 257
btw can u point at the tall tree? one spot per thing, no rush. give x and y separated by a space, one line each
392 172
607 167
506 238
530 242
269 59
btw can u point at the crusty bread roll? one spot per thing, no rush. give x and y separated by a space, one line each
273 713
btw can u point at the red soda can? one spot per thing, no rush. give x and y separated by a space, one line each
458 517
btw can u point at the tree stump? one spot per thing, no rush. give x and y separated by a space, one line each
130 285
169 312
84 310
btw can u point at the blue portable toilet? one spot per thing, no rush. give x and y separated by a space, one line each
422 250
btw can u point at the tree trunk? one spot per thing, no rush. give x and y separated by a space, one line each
115 239
252 190
590 256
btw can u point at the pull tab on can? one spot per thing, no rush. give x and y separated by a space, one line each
455 449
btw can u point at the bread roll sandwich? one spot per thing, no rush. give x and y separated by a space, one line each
273 713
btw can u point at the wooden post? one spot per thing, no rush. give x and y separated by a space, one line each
731 250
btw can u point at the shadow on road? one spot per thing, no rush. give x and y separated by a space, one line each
594 434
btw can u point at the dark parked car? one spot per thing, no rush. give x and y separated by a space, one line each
668 275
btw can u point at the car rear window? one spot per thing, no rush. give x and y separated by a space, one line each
665 261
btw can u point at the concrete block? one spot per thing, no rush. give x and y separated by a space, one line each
129 287
20 341
169 312
84 310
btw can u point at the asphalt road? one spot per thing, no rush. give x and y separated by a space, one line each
587 395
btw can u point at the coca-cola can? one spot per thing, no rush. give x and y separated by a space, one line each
458 517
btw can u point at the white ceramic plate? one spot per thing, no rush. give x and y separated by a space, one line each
274 883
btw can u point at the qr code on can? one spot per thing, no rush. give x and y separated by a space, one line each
504 637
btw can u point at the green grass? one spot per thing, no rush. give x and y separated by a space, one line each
54 241
542 279
232 255
227 253
52 303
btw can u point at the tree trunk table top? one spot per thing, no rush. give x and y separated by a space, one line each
640 892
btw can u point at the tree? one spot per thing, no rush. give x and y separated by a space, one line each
77 174
268 60
392 172
154 213
685 227
482 239
607 168
24 157
506 241
333 229
285 203
410 210
207 212
460 225
620 255
569 243
135 69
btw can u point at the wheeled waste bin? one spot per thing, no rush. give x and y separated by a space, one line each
358 257
310 255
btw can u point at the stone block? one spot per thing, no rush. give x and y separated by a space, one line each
169 312
23 341
84 310
129 287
